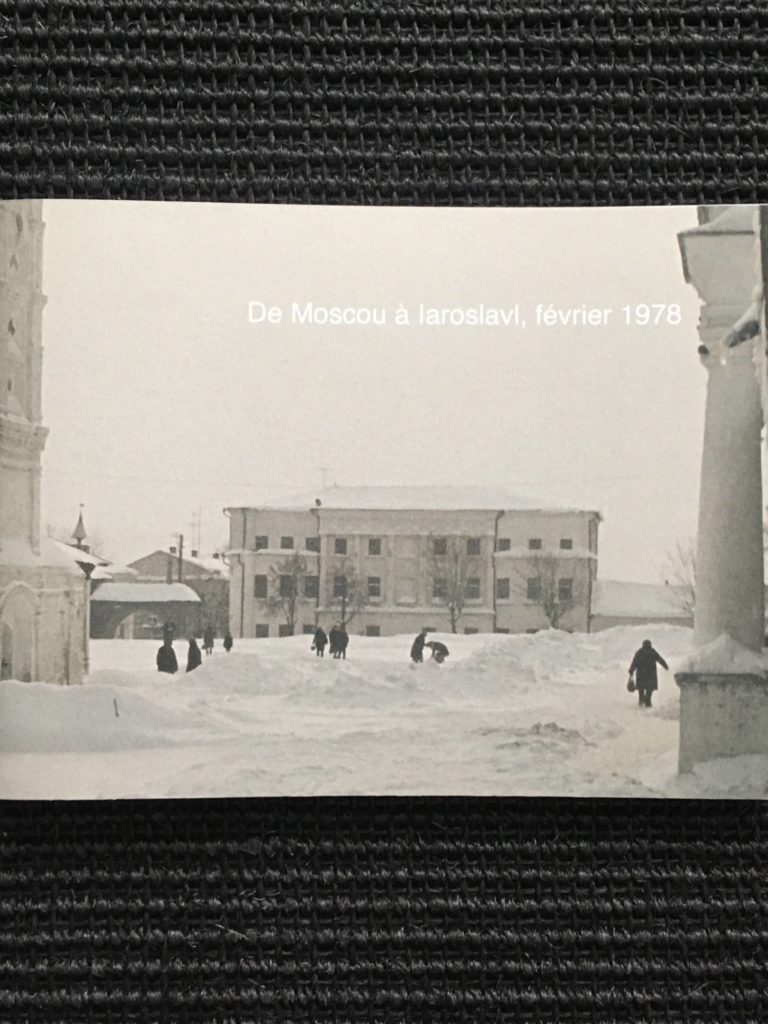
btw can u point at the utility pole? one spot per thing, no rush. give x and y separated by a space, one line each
181 557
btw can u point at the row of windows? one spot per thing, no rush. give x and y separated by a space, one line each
262 630
311 587
439 545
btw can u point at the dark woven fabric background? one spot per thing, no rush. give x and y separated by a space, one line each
384 910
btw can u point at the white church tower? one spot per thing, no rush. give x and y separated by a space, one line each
42 595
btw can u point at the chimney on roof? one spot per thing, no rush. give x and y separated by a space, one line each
318 502
193 553
216 554
172 549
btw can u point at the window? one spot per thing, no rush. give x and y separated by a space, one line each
286 543
311 586
308 629
500 629
473 546
440 547
472 588
534 544
566 543
503 544
259 586
532 631
312 544
374 587
373 630
502 589
260 542
340 545
339 586
533 589
374 546
471 630
262 630
287 586
428 629
564 590
439 589
284 629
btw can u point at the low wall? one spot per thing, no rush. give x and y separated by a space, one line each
721 716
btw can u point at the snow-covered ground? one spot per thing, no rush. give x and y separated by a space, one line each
541 714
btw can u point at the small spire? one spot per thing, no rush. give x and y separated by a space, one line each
79 533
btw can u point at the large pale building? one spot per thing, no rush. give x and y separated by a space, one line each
43 593
396 559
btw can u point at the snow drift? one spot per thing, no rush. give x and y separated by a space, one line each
522 714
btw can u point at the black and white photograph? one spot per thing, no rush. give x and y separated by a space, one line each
305 501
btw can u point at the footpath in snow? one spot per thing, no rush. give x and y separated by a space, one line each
531 714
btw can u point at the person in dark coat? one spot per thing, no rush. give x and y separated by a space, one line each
319 641
166 658
333 641
417 647
228 641
208 637
341 643
194 655
643 668
439 651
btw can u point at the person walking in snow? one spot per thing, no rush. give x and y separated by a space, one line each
208 638
643 669
166 658
439 651
417 647
319 641
228 641
343 642
194 655
333 641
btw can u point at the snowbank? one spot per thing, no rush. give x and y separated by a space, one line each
546 713
724 656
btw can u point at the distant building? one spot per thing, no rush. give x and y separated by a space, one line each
43 592
207 576
142 610
620 603
404 547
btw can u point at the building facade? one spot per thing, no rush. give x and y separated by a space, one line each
207 576
398 560
43 594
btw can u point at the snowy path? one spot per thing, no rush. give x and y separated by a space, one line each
543 714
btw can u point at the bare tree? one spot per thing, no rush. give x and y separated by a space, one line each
347 593
452 568
286 579
680 571
551 583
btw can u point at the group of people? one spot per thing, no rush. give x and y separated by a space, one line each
439 651
336 640
166 656
643 677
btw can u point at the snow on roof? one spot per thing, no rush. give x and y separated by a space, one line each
209 563
51 556
215 566
140 593
103 568
448 498
624 600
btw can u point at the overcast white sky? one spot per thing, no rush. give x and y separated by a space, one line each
162 399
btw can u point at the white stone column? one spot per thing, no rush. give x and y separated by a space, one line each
729 561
